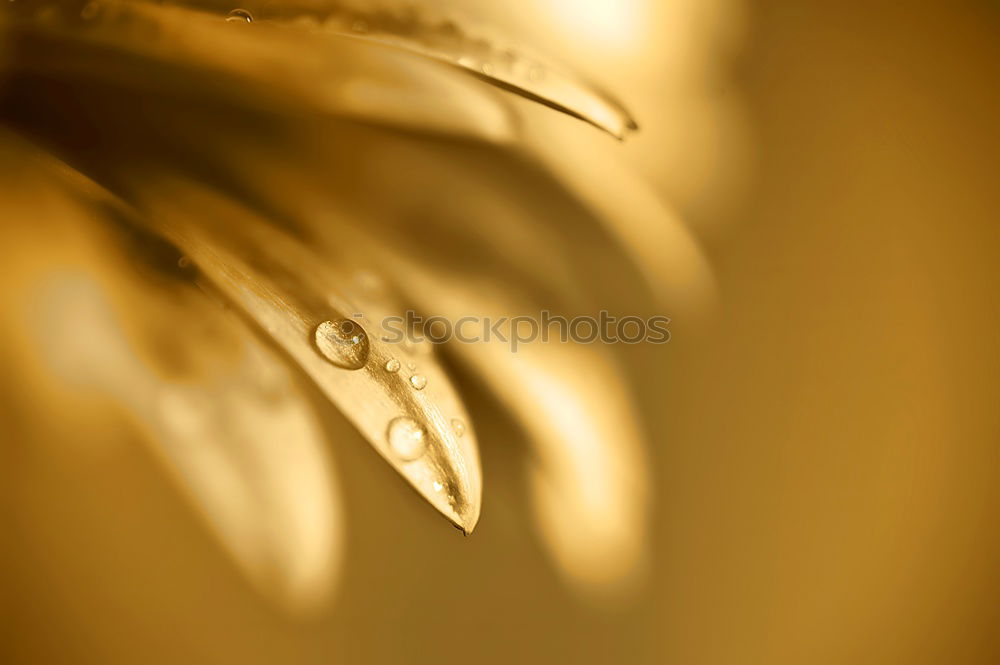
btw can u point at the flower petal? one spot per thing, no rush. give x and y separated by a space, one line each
301 302
512 68
100 319
588 472
176 54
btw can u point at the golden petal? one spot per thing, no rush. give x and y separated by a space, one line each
102 324
514 68
180 56
332 334
654 236
588 472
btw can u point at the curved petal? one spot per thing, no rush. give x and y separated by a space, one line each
588 472
271 277
97 311
180 55
301 302
653 235
510 67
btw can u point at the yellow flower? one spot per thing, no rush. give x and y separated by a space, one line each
198 201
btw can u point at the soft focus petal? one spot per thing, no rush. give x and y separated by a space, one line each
587 469
183 57
278 203
100 319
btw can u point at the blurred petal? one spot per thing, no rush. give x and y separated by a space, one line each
595 171
184 56
570 182
97 310
272 278
513 68
233 143
588 471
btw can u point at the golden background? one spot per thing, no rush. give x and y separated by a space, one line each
823 440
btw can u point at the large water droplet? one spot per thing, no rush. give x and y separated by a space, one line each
239 16
344 343
407 438
392 366
418 381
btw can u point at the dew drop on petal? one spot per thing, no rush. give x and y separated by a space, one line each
411 366
344 343
239 16
392 366
438 486
458 427
407 438
418 381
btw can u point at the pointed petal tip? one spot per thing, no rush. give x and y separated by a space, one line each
470 523
464 513
464 519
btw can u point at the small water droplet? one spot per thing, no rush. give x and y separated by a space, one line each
418 381
407 438
239 16
344 343
392 365
438 486
359 26
411 366
183 262
458 426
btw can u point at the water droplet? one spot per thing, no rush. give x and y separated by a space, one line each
344 343
239 16
407 438
183 262
392 365
458 426
359 26
418 381
438 486
411 366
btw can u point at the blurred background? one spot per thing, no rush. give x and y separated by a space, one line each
824 441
